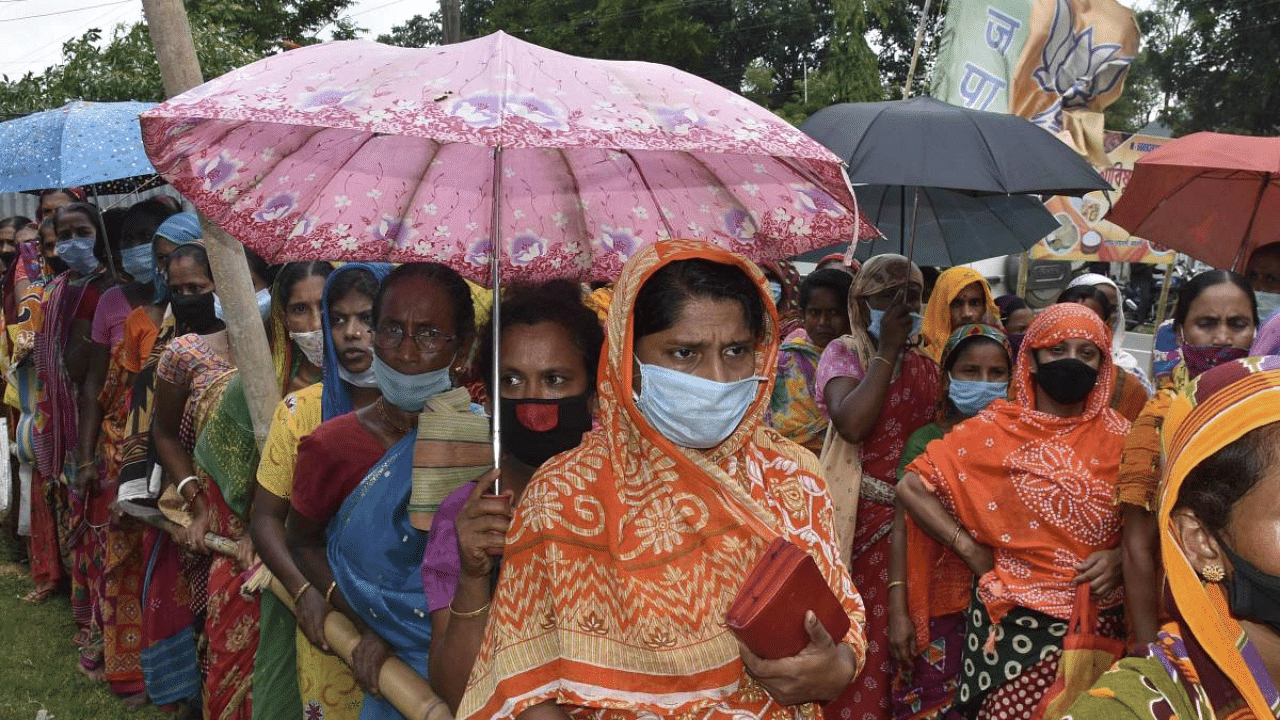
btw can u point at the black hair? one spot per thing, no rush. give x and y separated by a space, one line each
555 301
661 298
152 209
1010 304
965 344
1080 293
260 268
1213 487
837 281
194 251
464 311
113 220
90 211
1271 248
1205 280
293 273
359 280
17 222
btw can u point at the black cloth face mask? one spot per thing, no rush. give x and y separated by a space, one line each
534 431
194 312
1252 593
1067 381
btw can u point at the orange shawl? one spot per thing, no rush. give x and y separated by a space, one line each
1224 404
936 328
1035 487
625 553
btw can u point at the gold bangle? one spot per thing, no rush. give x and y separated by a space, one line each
883 360
896 583
474 613
301 590
329 593
955 536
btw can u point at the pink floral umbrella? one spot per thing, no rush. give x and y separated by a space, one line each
360 151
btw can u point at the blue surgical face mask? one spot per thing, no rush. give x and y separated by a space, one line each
139 262
264 304
971 396
409 392
77 253
877 316
691 411
366 379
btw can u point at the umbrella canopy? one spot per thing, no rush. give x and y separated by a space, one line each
1214 197
929 143
80 143
951 228
361 151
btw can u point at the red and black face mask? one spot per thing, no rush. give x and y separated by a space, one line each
534 431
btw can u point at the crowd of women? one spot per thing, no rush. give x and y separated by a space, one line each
980 485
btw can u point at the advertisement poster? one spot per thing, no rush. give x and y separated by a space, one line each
1084 235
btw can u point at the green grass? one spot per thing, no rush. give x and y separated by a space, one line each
38 659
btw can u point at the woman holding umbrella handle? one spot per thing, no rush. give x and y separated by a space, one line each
855 405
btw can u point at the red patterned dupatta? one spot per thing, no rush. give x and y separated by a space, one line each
1035 487
625 553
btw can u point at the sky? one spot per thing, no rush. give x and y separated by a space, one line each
32 31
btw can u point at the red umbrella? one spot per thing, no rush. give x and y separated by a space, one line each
1214 197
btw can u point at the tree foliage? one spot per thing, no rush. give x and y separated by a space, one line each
264 26
760 47
1215 60
122 65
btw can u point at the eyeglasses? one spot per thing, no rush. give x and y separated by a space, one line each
430 340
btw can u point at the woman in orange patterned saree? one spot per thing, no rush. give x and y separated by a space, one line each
625 553
1021 493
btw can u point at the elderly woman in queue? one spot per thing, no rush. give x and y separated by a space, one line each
348 528
1218 656
1022 495
878 389
625 553
1214 322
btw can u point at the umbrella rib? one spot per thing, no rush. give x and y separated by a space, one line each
994 158
657 204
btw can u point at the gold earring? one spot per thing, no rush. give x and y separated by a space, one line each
1213 573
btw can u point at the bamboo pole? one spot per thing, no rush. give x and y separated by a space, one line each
402 687
180 70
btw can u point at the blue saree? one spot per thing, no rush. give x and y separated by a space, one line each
376 556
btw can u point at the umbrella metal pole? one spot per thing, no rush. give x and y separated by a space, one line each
915 206
495 317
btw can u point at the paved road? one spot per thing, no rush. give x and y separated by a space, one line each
1139 344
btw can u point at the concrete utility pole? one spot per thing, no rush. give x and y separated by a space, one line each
180 70
451 20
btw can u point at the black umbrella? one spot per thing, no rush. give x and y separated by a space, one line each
951 228
928 143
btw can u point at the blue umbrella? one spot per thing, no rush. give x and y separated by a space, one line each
80 143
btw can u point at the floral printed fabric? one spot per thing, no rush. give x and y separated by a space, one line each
599 158
593 609
794 410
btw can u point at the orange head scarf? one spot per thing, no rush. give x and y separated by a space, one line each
1033 486
937 314
595 607
1222 405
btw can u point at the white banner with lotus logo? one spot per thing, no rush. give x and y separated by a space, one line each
1057 63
